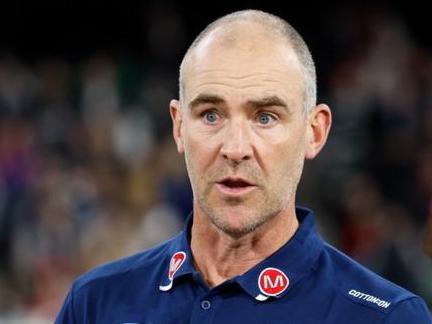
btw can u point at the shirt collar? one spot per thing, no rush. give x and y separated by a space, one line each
283 269
295 259
179 245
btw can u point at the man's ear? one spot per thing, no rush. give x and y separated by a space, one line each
319 123
176 116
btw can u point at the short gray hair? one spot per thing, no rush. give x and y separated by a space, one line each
276 25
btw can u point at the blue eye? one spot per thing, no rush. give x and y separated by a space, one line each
265 119
211 117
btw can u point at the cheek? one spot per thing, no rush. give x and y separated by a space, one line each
278 137
200 150
282 152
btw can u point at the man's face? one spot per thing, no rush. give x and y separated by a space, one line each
242 130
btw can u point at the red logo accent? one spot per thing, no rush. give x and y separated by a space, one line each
272 281
176 262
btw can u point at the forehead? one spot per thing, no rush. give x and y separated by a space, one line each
245 62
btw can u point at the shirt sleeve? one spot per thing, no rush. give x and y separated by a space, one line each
413 310
66 314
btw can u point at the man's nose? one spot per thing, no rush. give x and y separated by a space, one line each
237 146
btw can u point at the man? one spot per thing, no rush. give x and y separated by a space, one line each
245 121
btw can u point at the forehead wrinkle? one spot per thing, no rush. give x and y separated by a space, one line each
232 75
280 74
254 102
234 86
199 80
209 87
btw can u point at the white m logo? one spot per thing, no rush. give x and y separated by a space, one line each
269 283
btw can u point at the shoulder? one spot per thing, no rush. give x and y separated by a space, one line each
363 287
146 264
131 280
128 281
358 281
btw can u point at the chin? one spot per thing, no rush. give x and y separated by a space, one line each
237 217
241 224
235 231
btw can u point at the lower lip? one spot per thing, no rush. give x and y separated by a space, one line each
234 191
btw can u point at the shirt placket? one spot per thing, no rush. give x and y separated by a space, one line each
205 308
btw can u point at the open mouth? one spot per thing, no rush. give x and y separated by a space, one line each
232 183
234 186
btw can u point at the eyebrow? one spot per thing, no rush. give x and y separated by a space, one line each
269 101
206 99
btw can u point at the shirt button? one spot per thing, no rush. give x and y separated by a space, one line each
205 304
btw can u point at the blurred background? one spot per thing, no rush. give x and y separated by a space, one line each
88 167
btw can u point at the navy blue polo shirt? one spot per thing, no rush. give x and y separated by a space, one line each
305 281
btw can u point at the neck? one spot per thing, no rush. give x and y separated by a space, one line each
219 257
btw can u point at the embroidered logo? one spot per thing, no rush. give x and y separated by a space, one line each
176 262
272 282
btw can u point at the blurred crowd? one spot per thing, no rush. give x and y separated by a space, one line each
89 170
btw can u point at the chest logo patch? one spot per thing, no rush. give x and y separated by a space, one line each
272 282
176 262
